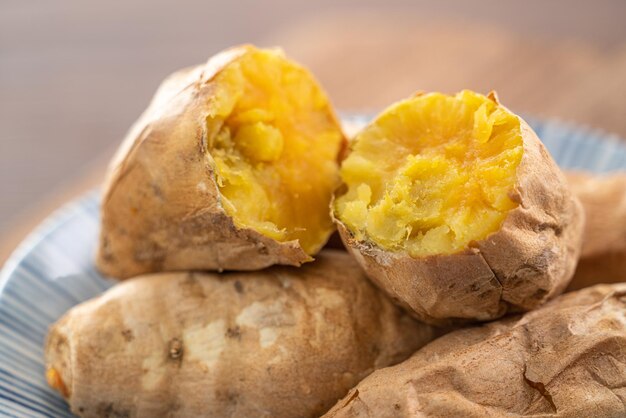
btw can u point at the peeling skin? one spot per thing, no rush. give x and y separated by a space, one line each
529 365
268 319
263 314
205 344
268 336
540 387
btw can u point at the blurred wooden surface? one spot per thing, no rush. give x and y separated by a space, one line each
381 61
365 60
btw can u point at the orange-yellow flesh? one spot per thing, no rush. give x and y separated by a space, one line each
55 382
274 141
431 174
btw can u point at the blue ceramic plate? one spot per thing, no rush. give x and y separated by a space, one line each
53 270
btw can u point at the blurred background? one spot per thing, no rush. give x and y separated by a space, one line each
74 74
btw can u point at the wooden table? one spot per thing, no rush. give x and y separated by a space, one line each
368 61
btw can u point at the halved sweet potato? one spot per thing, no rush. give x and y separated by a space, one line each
232 167
454 207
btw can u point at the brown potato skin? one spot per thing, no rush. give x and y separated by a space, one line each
566 359
333 328
161 208
530 260
603 254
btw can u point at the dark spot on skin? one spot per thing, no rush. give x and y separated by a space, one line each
238 286
60 341
396 406
105 249
156 190
107 410
375 350
540 294
515 195
263 250
200 133
191 287
475 287
227 395
234 332
128 335
81 409
473 244
108 257
175 349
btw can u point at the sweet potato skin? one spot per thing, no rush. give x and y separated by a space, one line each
603 254
282 342
530 260
161 208
565 359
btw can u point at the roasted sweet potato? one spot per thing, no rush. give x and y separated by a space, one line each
603 254
454 207
232 167
566 359
282 342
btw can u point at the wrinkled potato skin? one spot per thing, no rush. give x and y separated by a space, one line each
530 260
161 207
282 342
566 359
603 254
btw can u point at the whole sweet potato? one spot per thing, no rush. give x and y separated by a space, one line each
603 254
282 342
566 359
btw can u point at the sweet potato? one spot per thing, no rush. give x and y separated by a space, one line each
603 254
454 207
282 342
231 167
566 359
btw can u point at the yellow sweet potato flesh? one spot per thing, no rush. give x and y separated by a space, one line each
56 382
274 143
431 174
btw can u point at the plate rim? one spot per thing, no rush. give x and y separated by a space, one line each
55 220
